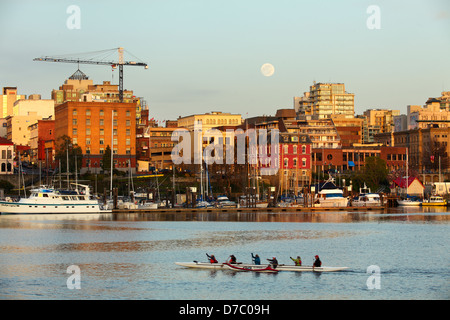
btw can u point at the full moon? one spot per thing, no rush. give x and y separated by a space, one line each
267 69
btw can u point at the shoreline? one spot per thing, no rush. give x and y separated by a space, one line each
278 209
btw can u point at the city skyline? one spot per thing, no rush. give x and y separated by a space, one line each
207 56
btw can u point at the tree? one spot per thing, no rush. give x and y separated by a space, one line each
106 159
375 173
65 147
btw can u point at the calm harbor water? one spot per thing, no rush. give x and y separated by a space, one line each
131 256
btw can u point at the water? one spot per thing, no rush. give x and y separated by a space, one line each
131 256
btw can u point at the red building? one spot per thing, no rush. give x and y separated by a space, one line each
294 162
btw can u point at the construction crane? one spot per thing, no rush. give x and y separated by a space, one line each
119 63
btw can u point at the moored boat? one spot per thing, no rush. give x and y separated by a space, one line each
409 203
50 200
223 202
434 201
366 198
330 196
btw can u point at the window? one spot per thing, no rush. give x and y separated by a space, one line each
128 142
295 163
74 112
102 141
102 113
74 131
303 149
88 112
128 123
102 151
102 132
88 141
128 132
303 162
101 122
88 131
286 161
88 122
74 121
295 149
128 113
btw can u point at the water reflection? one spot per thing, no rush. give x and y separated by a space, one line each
400 213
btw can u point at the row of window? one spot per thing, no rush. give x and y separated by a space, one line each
101 112
286 162
294 149
101 122
102 132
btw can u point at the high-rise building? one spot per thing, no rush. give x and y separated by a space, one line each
326 99
378 121
9 96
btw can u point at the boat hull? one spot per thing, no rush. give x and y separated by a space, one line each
332 202
226 266
47 208
253 268
440 204
405 203
366 204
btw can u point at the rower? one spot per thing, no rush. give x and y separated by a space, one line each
273 262
232 259
211 258
298 261
256 259
317 262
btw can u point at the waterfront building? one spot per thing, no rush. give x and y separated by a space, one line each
353 158
295 162
415 187
78 87
6 156
95 125
427 148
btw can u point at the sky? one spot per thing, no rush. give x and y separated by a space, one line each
206 55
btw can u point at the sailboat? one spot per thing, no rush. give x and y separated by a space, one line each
408 202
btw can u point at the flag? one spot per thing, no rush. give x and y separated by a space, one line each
432 159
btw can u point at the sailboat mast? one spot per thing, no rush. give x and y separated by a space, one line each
407 178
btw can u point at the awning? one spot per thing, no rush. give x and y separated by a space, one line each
351 164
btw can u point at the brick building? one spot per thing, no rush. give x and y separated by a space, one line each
95 125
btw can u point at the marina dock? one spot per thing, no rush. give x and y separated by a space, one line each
275 209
